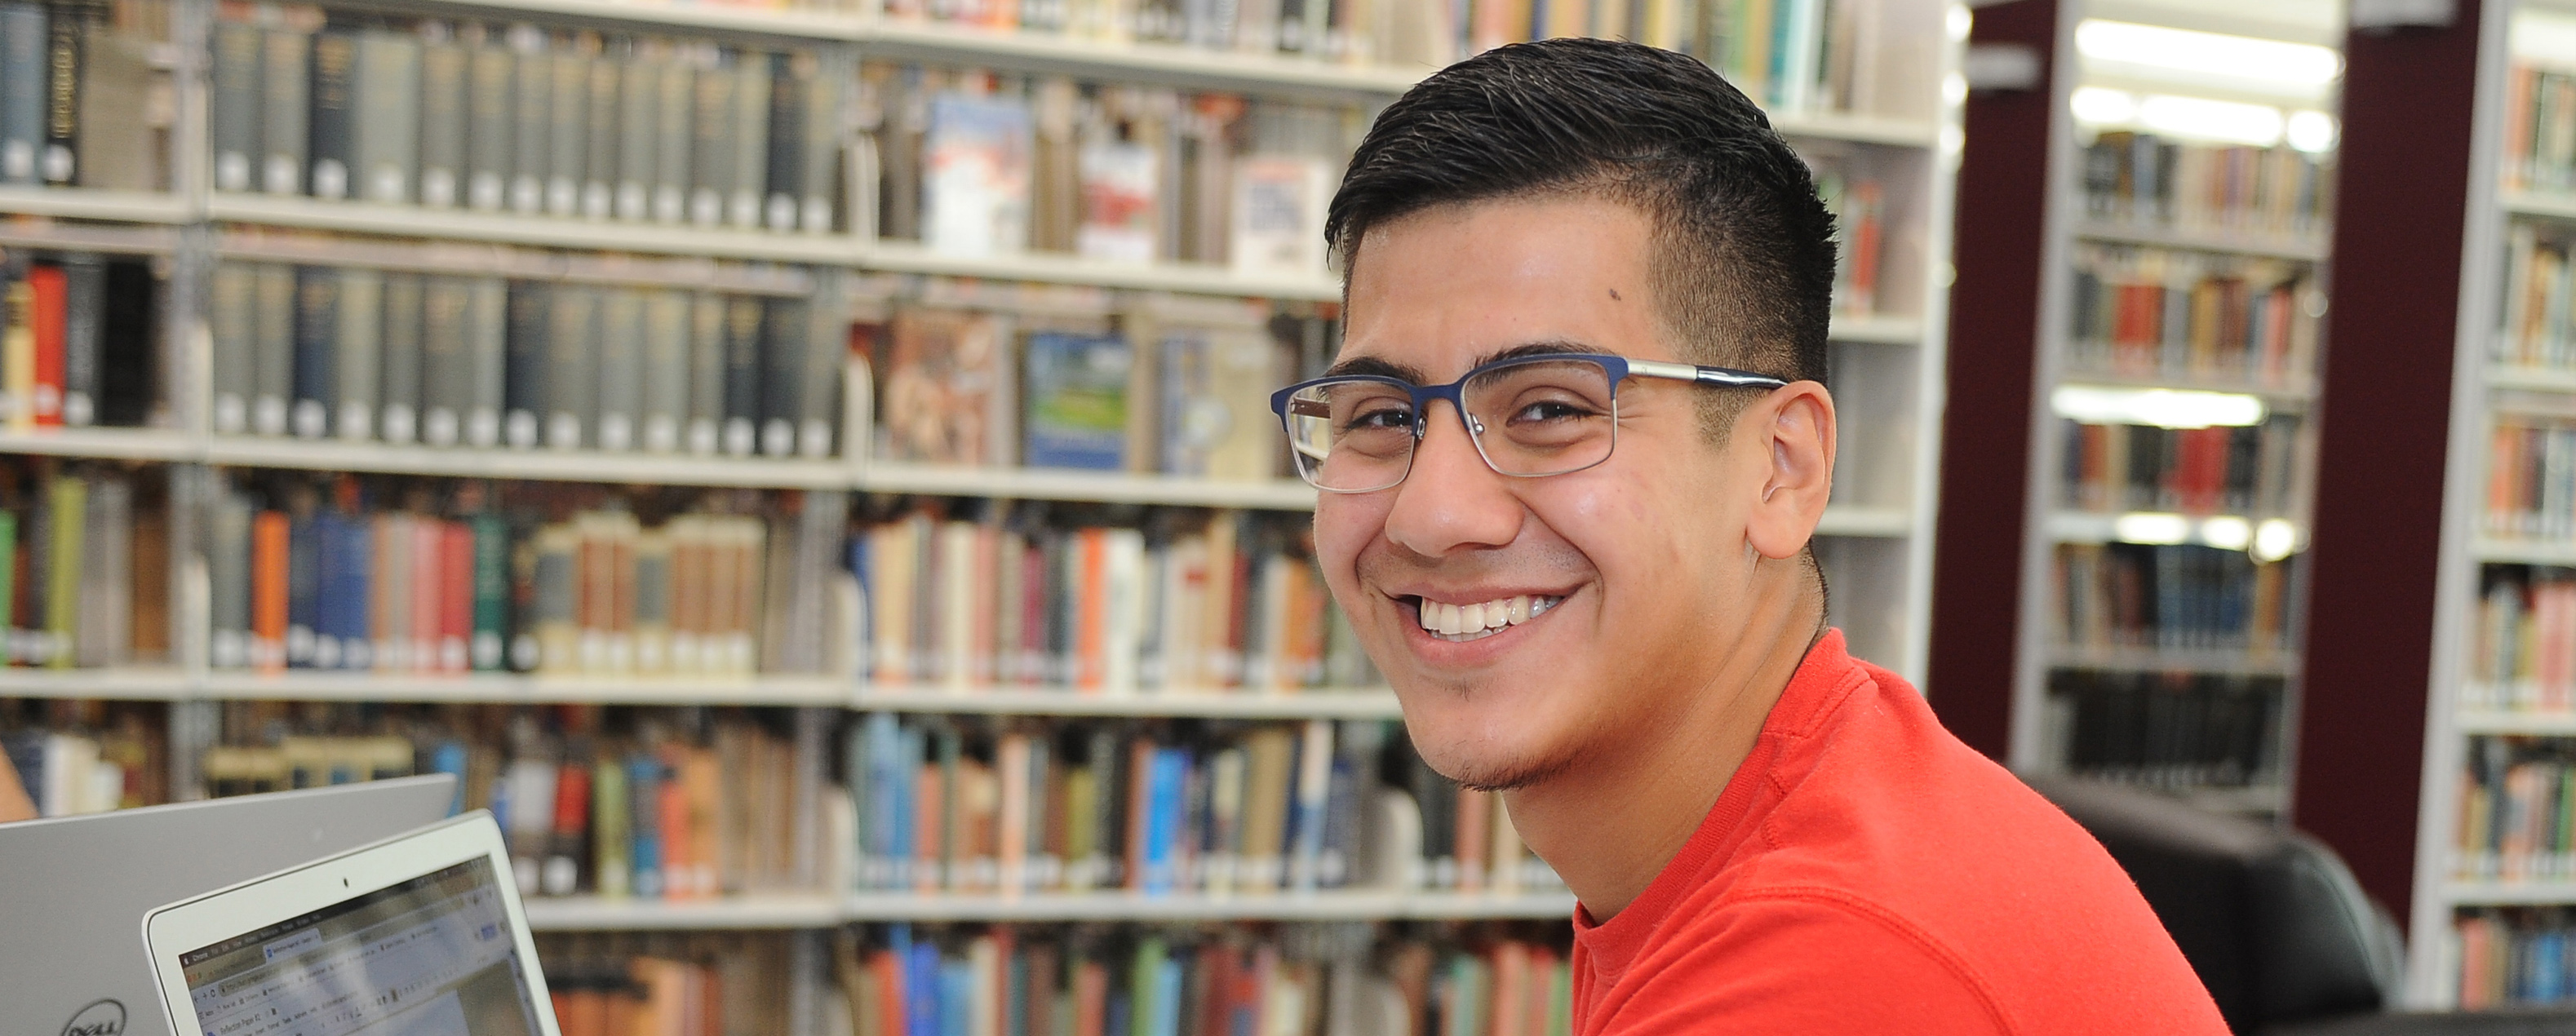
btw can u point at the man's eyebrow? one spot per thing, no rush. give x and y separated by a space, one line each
1377 367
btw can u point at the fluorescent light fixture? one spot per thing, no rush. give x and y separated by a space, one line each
2232 122
2163 408
1959 21
2103 106
2152 527
2275 539
2209 53
2543 37
2226 532
2312 131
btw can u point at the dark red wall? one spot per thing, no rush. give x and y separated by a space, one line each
1985 431
2404 174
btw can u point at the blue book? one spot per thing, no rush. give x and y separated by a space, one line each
449 758
2548 967
866 574
911 742
317 340
22 91
1166 800
348 564
883 800
1167 999
956 998
1075 400
922 991
644 777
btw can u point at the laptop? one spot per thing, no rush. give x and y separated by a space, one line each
76 887
417 935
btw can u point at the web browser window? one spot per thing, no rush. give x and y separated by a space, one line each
431 956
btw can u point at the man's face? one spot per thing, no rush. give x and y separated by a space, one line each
1634 573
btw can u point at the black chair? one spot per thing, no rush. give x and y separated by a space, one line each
2272 920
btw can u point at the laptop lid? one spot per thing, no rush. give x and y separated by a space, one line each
77 886
416 935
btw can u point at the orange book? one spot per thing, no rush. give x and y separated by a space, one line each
582 1012
887 973
930 807
45 285
1537 993
1090 999
679 853
1510 988
703 781
625 1011
1140 769
1091 621
268 591
1475 834
456 596
2517 124
427 586
708 986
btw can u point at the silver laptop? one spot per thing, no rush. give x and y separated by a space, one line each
75 888
418 935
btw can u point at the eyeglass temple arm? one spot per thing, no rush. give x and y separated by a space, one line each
1709 375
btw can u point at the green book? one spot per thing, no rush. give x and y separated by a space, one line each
491 592
608 813
8 575
63 580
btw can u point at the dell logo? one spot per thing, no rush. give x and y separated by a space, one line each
103 1018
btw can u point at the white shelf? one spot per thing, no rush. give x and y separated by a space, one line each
2100 527
116 443
2304 248
1066 484
593 914
1318 703
1857 128
1131 62
1866 522
2532 203
2218 662
2531 379
95 684
86 203
534 464
122 238
2459 893
2515 721
1877 329
1333 905
549 231
509 688
1060 268
2289 398
2497 550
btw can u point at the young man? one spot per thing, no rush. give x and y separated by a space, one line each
1572 452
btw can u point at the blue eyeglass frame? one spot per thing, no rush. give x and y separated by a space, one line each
1618 368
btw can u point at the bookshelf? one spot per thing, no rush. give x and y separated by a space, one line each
2484 886
1888 351
2175 384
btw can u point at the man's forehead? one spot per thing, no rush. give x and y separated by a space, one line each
1395 364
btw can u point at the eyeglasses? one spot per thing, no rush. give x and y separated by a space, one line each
1529 416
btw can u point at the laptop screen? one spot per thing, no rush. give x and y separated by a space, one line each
434 954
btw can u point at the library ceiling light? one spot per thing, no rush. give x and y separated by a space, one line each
2163 408
2151 527
2231 122
2275 539
2226 532
2103 106
2312 131
2195 53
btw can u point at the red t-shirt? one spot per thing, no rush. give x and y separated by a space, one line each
1865 872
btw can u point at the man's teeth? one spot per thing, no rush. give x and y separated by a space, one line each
1462 622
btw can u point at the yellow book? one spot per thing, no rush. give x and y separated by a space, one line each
63 584
18 360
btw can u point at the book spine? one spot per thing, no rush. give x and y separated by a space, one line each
64 66
599 153
285 111
712 180
531 122
23 41
621 367
709 369
235 102
749 184
743 321
664 369
491 107
674 139
357 362
316 366
569 397
403 360
390 100
639 117
789 90
84 299
47 291
486 327
444 73
332 119
524 384
568 133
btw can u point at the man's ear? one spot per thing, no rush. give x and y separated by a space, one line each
1795 424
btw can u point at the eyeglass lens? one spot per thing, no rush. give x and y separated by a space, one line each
1543 417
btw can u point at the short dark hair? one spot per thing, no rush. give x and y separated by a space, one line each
1743 257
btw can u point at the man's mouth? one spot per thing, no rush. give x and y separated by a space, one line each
1460 623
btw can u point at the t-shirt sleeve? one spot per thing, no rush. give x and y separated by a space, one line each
1795 965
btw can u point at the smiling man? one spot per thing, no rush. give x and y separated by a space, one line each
1572 454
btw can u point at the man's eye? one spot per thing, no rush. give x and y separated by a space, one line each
1550 410
1379 420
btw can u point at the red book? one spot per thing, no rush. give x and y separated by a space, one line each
456 595
1090 999
45 397
572 826
887 973
679 849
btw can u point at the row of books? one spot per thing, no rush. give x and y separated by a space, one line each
74 764
2517 810
2167 730
2531 479
369 355
2195 470
2154 312
327 575
665 984
1218 811
2538 329
84 567
78 345
2181 596
85 101
2539 128
1037 981
2522 650
460 115
2142 178
2512 957
1010 600
671 804
1161 385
